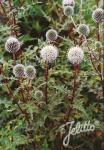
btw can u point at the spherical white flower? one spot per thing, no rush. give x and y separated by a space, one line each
68 11
98 15
75 55
83 29
49 53
68 3
12 45
19 70
30 72
51 35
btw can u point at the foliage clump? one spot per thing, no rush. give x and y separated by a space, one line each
52 74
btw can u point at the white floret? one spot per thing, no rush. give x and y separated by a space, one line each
75 55
49 53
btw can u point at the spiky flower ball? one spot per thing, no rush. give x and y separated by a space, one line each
39 94
30 72
98 15
51 35
83 29
19 70
68 11
68 3
12 45
49 53
75 55
98 44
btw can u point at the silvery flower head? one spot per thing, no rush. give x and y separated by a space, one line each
98 15
19 70
30 72
68 3
51 35
75 55
12 45
49 53
83 29
68 11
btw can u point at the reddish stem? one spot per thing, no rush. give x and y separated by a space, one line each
14 20
75 74
21 90
3 8
28 90
97 32
14 58
46 85
76 68
5 13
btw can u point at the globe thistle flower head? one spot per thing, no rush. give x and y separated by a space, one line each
68 11
98 15
18 70
30 72
51 35
12 45
75 55
39 94
49 53
98 44
83 29
68 3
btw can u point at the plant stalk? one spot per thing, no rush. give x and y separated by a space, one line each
46 80
14 19
76 68
14 58
21 91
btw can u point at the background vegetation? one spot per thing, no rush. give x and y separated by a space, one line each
41 132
